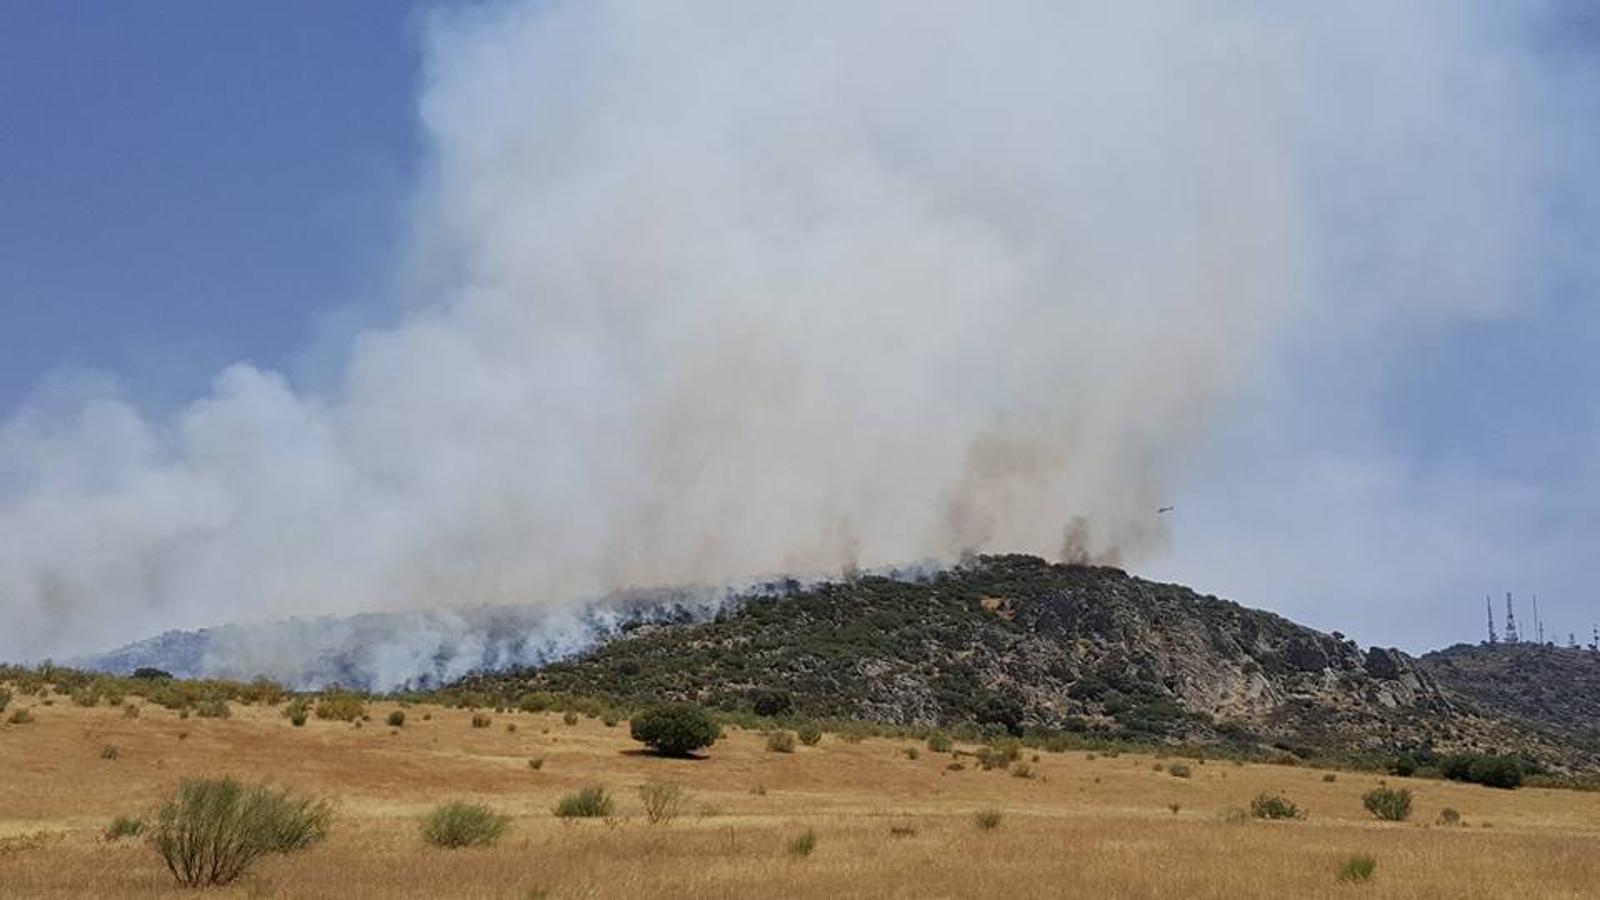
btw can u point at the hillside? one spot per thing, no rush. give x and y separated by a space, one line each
1012 643
1554 688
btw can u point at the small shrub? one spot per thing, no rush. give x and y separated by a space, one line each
124 827
569 718
675 729
213 829
86 697
480 720
129 711
463 824
809 734
536 763
1449 817
511 728
1330 778
987 819
215 708
1178 770
609 720
340 706
1403 766
912 753
1272 806
1022 770
939 742
5 699
781 742
1233 815
662 802
298 720
998 756
1358 868
110 751
20 716
1388 804
589 803
955 767
397 718
903 830
1175 807
803 844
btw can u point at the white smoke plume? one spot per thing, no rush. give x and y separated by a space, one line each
706 291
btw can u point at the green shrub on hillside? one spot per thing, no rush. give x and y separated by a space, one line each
461 824
1388 804
213 829
589 803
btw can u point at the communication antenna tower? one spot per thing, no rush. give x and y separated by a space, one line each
1488 606
1511 621
1538 623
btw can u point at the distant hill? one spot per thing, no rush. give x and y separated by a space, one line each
1554 688
1014 642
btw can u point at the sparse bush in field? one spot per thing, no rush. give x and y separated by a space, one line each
759 790
1403 766
1358 868
569 718
589 803
676 729
86 696
956 767
987 819
184 713
1179 770
1330 778
480 720
215 708
998 756
912 753
397 718
511 728
662 802
809 734
130 711
1022 770
939 742
803 844
781 742
124 826
427 717
213 829
1272 806
462 824
110 751
1175 807
536 763
1449 817
1158 767
340 706
609 720
1233 815
114 699
903 830
20 716
298 719
1388 804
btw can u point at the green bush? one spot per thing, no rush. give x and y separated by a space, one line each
110 751
569 718
676 729
124 826
1358 868
589 803
781 742
803 844
340 706
1478 768
536 763
462 824
1404 766
998 756
479 720
987 819
662 802
809 734
1449 818
1388 804
214 708
1272 806
1179 770
20 716
397 718
939 742
213 829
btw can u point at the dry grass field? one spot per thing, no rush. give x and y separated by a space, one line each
886 825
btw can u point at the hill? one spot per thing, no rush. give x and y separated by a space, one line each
1011 643
1553 688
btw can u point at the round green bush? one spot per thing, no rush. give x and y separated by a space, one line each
675 729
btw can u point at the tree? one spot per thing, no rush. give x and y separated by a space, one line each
675 729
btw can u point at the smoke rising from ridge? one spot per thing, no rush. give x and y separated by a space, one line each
704 292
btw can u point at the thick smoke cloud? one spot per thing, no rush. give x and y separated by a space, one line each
701 292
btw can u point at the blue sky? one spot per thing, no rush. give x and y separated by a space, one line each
188 187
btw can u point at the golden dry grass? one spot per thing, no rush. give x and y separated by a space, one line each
886 825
